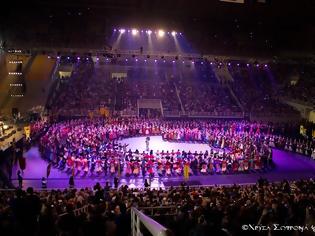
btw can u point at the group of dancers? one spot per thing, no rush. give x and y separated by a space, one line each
116 161
96 147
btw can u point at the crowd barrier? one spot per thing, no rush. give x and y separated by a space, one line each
137 217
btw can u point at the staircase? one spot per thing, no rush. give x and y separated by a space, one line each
235 97
179 99
222 74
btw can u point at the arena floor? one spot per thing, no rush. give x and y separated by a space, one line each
289 166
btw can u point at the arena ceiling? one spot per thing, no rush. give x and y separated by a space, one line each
284 23
291 11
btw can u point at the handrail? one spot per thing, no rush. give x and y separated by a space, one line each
77 211
153 227
153 210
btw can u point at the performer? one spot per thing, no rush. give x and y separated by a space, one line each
147 142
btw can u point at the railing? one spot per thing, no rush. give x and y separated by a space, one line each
166 210
78 212
128 113
216 114
171 113
151 225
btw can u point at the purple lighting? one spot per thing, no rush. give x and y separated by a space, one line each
145 60
68 58
238 64
97 59
115 30
202 63
78 58
155 60
126 59
122 31
257 65
229 64
58 57
247 65
136 59
183 62
211 63
173 61
266 65
164 61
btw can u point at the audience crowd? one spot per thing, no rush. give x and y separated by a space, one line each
184 210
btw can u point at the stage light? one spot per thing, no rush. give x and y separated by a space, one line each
68 58
58 57
173 61
183 62
145 60
229 64
134 31
238 64
126 59
155 60
136 59
266 65
48 57
97 59
173 33
257 65
78 58
164 61
149 32
161 33
193 62
122 31
247 65
211 63
202 63
115 30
